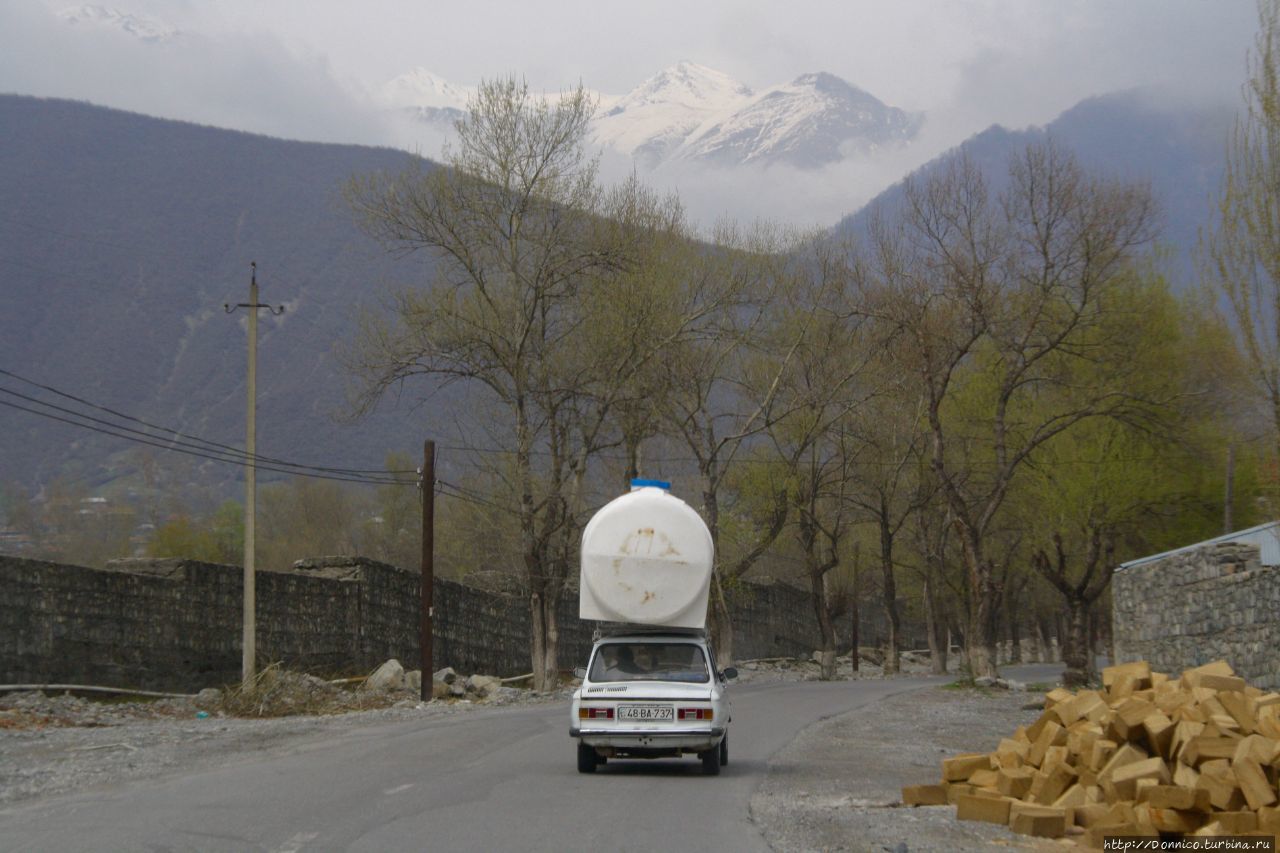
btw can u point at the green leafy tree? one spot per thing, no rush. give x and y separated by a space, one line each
1242 251
996 298
305 517
181 537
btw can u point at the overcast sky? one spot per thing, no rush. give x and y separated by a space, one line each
307 68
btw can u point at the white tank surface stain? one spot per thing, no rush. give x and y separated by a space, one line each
647 542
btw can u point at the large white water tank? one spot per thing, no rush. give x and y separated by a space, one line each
646 559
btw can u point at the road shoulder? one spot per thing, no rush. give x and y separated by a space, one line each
837 787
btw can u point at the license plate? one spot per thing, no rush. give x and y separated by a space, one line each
647 713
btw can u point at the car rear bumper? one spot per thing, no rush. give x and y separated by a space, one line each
701 739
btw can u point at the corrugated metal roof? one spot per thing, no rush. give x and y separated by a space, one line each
1265 536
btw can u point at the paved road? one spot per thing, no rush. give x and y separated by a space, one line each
503 779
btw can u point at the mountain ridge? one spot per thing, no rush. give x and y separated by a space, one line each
125 234
689 112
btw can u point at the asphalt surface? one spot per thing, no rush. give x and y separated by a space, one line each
488 780
504 779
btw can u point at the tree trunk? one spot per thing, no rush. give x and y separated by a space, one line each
937 656
546 674
1075 645
1095 639
854 595
720 623
826 627
982 632
962 646
633 463
891 662
1015 640
984 604
1011 617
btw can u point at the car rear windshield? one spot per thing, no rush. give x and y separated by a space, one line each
649 662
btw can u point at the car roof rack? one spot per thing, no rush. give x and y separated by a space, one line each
622 629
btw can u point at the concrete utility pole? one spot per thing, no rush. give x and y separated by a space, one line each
249 663
426 623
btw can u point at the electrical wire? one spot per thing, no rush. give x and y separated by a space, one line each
183 438
468 496
243 462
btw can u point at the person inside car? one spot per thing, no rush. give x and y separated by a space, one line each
627 661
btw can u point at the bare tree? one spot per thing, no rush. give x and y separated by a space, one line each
723 388
887 489
995 299
530 257
1079 593
825 379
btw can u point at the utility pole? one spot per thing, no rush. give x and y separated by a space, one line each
425 642
249 643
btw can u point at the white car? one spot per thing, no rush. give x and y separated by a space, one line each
652 695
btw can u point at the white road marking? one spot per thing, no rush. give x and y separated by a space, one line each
398 788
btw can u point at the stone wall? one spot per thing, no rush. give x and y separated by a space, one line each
175 624
1199 606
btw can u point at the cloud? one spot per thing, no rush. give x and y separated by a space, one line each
308 69
247 82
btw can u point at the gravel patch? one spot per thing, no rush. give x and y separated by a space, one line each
800 669
838 787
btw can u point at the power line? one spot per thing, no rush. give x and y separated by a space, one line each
182 438
468 496
171 447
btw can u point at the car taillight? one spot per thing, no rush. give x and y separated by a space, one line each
695 714
595 713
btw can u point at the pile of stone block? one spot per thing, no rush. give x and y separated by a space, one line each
1147 755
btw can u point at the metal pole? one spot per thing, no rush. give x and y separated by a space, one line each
425 642
249 663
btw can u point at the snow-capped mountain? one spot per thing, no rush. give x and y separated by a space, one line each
654 119
814 120
426 97
420 88
144 28
689 112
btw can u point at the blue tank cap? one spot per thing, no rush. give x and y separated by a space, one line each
658 484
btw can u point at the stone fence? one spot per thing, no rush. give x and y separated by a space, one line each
1193 607
175 624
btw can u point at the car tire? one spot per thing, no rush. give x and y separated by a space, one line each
587 759
724 750
710 762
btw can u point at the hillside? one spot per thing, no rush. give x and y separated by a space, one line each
122 237
1133 135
